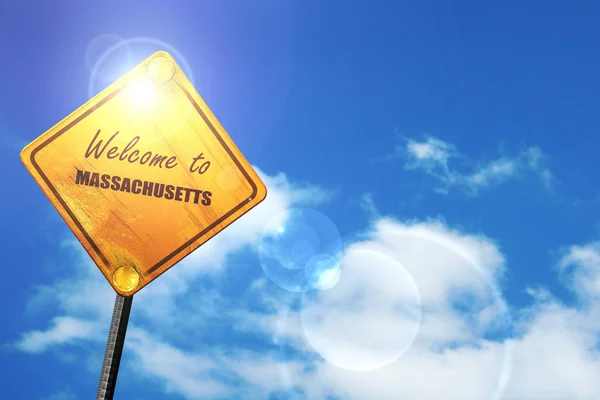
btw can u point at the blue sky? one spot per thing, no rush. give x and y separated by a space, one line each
452 146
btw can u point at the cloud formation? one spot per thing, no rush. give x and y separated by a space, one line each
441 160
417 314
63 330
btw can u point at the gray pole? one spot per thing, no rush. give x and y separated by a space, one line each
114 348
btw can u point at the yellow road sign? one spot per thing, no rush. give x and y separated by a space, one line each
143 174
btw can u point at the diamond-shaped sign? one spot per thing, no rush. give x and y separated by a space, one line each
143 174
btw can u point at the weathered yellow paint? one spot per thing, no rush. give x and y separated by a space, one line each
152 129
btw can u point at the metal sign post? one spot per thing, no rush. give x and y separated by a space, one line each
114 348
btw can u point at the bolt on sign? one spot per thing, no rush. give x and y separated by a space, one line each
143 174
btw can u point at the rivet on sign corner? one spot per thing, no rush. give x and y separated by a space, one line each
161 69
126 278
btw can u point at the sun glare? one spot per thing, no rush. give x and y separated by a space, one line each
141 92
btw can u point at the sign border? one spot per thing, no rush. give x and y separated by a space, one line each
181 248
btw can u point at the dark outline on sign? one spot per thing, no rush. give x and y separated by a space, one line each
189 242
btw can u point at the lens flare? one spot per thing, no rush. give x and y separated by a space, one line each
322 271
379 290
161 69
141 93
300 249
120 56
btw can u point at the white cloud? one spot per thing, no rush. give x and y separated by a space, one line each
263 373
301 193
434 157
367 203
181 372
432 150
63 330
581 268
376 289
557 355
460 348
553 355
369 319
